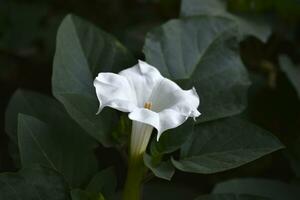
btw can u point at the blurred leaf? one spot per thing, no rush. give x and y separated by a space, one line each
33 184
169 142
24 24
291 71
230 197
104 182
287 9
225 144
161 169
272 189
252 26
78 194
122 130
250 5
172 139
202 52
82 52
3 17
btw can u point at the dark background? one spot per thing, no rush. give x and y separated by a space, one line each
27 44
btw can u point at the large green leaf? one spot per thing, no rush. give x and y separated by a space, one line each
224 144
62 146
230 197
31 103
202 52
246 26
272 189
82 51
34 104
291 71
58 134
35 183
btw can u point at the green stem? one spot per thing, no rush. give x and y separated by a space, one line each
135 174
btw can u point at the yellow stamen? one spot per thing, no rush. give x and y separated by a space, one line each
148 105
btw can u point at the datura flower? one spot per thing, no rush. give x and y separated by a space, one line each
151 100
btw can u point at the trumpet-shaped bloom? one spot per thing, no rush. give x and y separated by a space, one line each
150 99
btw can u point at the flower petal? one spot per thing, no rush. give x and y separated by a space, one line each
162 121
169 119
114 91
168 95
171 106
145 116
142 78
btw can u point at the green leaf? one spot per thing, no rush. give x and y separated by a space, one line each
67 137
246 26
30 103
272 189
33 184
104 182
169 142
161 169
172 139
202 52
62 146
230 197
223 145
78 194
82 52
41 107
291 71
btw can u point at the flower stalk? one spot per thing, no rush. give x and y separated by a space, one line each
135 175
139 140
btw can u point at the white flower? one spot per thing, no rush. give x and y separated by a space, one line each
150 99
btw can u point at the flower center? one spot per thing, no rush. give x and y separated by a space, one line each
148 105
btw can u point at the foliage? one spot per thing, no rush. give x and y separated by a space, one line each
33 183
266 188
57 144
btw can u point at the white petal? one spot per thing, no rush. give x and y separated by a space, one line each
114 91
145 116
162 121
142 78
171 106
186 102
169 119
168 95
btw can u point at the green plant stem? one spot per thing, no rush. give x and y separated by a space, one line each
135 174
